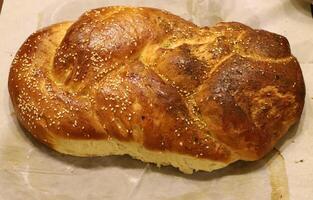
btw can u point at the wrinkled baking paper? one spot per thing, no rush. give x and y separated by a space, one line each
29 170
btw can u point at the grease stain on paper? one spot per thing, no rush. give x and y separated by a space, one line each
278 177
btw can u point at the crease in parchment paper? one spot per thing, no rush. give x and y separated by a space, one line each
138 182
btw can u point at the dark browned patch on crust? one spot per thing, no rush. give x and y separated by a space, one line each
264 44
181 68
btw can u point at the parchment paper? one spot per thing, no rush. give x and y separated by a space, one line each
29 170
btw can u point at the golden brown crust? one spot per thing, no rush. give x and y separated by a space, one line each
143 75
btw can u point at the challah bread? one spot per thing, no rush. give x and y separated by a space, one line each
146 83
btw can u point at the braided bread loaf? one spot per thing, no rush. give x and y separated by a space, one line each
146 83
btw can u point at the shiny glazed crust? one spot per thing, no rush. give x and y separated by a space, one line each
144 82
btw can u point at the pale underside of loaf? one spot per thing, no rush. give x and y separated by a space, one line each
89 148
146 83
